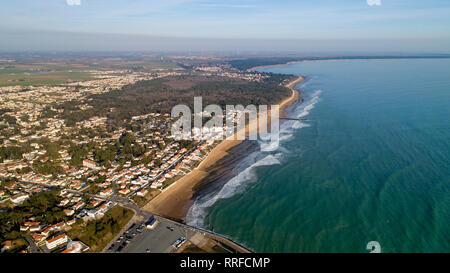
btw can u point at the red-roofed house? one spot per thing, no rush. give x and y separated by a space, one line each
142 192
56 241
106 192
90 164
124 191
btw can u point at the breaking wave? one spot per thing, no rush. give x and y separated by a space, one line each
235 185
270 153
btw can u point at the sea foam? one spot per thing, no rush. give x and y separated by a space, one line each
235 185
270 153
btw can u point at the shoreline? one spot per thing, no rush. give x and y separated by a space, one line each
174 202
271 65
348 59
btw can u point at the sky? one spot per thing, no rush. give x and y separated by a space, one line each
287 25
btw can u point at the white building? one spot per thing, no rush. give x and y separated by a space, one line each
75 247
106 192
142 192
19 198
90 164
151 223
56 241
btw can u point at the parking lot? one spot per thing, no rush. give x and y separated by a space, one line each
165 237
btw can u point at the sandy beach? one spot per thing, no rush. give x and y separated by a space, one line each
175 201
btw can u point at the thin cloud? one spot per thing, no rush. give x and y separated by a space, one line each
213 5
73 2
374 2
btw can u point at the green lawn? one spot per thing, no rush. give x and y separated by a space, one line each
97 234
51 78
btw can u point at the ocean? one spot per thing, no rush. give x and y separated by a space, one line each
371 163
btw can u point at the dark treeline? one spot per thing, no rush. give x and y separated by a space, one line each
42 206
244 64
12 152
158 96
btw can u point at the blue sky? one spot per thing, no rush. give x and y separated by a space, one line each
344 20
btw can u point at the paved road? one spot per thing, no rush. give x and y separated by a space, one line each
135 238
33 247
170 168
121 200
120 241
159 240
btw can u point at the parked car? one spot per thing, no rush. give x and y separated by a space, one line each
179 242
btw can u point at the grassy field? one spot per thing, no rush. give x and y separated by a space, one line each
96 234
54 73
18 245
145 65
24 78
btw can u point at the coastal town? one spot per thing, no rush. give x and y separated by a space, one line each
86 167
223 136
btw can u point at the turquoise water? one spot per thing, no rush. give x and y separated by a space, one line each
371 164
